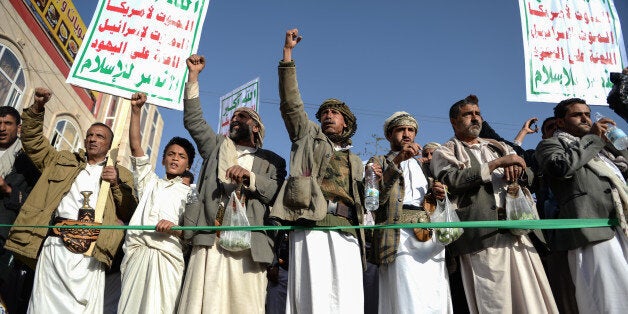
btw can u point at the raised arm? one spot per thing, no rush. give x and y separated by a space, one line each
292 39
291 104
36 146
525 130
135 137
202 134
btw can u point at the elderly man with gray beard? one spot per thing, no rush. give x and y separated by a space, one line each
501 272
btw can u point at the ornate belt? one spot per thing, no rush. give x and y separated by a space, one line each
76 240
414 214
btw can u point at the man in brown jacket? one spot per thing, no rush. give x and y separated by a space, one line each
66 280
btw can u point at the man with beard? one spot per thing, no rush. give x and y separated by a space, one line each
407 258
324 189
588 178
219 280
501 272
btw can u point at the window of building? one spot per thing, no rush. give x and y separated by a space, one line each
12 82
143 119
151 138
110 113
149 150
66 136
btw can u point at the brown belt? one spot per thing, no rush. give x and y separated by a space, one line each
342 210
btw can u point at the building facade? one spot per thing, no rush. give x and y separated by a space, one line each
38 42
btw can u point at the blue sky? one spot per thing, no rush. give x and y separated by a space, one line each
377 56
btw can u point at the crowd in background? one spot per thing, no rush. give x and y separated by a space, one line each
576 172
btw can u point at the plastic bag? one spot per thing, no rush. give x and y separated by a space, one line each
519 207
368 219
444 213
235 215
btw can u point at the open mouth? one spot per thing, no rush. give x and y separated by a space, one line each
234 125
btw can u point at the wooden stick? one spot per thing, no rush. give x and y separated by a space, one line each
118 134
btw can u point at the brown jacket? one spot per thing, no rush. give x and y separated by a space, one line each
59 170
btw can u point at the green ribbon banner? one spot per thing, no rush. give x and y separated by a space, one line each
502 224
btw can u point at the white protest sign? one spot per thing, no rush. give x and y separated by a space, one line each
570 48
137 45
246 95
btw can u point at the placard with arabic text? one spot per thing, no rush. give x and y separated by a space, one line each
135 45
246 95
570 47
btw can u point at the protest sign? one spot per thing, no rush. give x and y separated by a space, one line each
246 95
570 47
135 45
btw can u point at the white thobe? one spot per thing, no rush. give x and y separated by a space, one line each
600 270
67 282
152 267
600 275
221 281
402 283
324 273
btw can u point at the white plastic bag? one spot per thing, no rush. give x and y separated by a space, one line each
235 215
444 213
368 219
519 207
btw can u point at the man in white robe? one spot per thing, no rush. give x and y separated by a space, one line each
412 272
324 189
152 268
501 272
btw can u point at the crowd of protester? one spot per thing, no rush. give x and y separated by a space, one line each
574 172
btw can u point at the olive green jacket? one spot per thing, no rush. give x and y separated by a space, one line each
390 211
59 170
310 155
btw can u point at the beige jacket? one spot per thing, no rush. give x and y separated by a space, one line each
59 170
